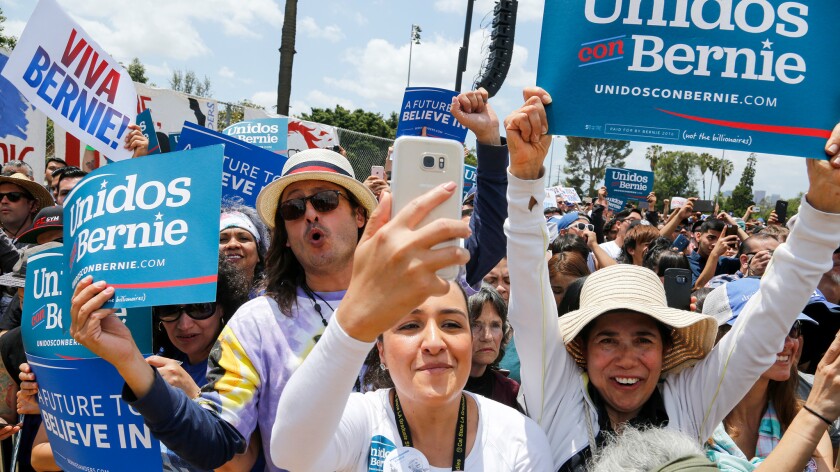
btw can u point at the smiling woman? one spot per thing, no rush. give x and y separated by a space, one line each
422 335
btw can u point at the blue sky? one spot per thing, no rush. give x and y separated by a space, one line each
353 53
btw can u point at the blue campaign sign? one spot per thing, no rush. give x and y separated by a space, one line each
87 423
429 107
270 134
624 185
247 168
147 127
149 227
45 321
757 75
470 177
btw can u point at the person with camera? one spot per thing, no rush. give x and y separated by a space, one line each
624 357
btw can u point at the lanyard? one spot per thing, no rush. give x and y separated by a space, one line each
460 446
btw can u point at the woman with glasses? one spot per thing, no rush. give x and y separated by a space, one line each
753 429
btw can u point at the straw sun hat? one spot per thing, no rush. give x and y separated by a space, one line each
626 287
313 164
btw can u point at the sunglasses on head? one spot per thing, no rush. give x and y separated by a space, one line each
196 311
13 196
795 330
322 202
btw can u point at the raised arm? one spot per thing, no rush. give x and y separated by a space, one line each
548 372
722 379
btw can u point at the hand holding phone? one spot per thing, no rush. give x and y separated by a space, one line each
378 172
678 285
781 211
421 163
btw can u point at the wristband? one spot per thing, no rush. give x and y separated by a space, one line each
825 420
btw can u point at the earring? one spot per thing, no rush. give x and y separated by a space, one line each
382 366
160 325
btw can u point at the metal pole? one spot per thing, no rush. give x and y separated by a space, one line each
551 162
462 53
410 48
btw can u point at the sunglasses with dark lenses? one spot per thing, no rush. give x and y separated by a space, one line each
197 311
322 202
585 226
13 196
795 330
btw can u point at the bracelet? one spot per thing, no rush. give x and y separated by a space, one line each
825 420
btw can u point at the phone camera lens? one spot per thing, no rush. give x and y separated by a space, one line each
681 279
428 161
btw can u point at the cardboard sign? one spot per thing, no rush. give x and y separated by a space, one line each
46 316
624 185
149 227
23 129
269 133
171 109
61 70
470 178
305 135
730 74
147 127
247 168
88 424
429 107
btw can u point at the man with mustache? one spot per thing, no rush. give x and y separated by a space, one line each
317 211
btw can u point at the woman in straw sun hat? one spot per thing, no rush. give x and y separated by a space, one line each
624 357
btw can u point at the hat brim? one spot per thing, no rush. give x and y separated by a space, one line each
31 236
693 335
41 195
269 197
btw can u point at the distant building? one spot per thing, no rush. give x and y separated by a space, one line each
773 198
759 195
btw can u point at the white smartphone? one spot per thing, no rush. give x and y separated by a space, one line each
378 171
420 164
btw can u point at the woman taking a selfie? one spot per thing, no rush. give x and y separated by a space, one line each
422 333
625 357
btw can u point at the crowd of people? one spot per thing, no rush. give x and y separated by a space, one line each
332 343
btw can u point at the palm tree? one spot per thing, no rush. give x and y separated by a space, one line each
287 57
725 170
652 155
704 161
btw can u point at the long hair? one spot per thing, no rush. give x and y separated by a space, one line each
785 401
231 293
283 272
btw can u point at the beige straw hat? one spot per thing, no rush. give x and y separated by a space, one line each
626 287
313 164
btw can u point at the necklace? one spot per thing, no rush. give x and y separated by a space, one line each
460 446
316 305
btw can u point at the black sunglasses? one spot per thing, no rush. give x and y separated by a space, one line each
583 226
795 330
13 196
197 311
322 202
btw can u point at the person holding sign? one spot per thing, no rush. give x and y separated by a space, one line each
625 357
422 333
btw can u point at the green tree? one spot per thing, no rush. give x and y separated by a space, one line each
652 155
587 160
703 162
675 175
722 169
742 195
8 42
234 113
189 83
137 71
357 120
287 56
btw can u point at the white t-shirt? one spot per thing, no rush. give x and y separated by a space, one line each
321 425
611 248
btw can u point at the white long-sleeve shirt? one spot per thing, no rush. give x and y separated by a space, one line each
321 426
696 399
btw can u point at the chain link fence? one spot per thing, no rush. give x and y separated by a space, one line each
362 150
